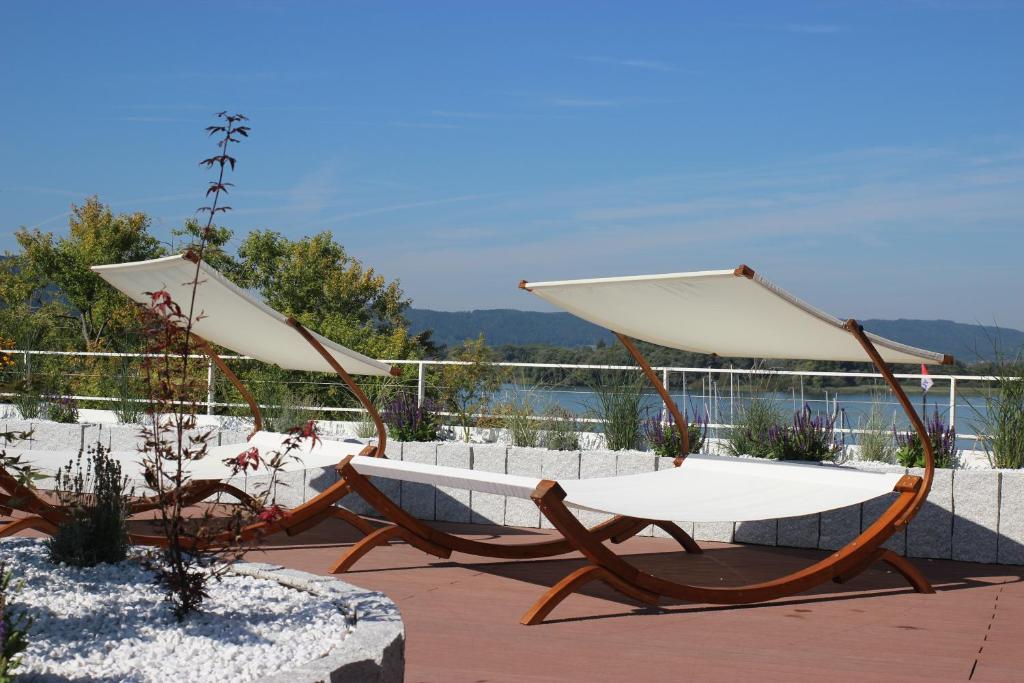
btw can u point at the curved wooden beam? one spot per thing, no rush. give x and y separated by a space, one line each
855 328
681 424
572 583
382 432
242 389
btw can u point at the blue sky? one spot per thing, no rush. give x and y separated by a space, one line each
867 156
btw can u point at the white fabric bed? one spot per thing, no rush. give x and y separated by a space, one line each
706 489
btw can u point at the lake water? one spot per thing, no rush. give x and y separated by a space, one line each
855 407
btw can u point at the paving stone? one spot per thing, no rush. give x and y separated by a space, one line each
1011 518
595 464
839 527
451 504
759 532
558 465
976 510
930 533
488 508
526 462
636 462
418 499
799 532
664 464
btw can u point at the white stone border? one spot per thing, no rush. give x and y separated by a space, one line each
374 649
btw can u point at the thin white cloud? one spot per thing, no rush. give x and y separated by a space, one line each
813 28
647 64
583 102
403 207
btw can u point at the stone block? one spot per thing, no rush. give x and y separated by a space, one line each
418 499
1011 518
721 532
759 532
871 510
125 437
664 464
799 532
488 508
976 510
290 489
525 462
318 480
930 533
558 465
54 436
451 504
636 462
226 437
595 464
839 527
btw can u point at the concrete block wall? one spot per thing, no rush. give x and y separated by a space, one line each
970 515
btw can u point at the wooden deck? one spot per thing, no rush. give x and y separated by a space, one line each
462 617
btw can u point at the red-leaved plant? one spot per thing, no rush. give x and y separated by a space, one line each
199 545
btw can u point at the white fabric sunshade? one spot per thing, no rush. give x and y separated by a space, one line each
707 489
725 312
227 315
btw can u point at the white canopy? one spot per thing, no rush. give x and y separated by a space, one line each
724 312
706 489
227 315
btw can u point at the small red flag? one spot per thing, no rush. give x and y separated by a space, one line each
926 380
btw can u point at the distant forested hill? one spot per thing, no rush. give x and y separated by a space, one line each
968 343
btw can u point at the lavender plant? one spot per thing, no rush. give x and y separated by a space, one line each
62 409
14 625
561 430
406 420
663 437
809 437
910 452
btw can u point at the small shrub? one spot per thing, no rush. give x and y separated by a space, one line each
561 430
97 502
519 419
366 428
28 401
14 625
618 407
910 452
875 437
810 437
1003 419
749 434
407 421
126 406
662 436
62 409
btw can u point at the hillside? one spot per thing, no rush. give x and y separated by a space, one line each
968 343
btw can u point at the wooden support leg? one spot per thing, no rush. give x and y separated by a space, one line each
383 536
911 573
33 522
572 583
682 538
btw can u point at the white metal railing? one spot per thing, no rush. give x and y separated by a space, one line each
711 393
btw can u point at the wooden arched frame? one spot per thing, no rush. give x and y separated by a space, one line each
852 559
207 348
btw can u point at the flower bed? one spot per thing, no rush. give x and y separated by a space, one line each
110 622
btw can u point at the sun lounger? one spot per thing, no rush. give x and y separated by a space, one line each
726 312
228 316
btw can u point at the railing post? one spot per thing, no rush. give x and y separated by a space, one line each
952 401
209 386
664 383
421 384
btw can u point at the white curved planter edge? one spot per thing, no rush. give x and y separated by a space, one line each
373 650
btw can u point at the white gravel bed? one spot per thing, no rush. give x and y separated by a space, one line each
111 623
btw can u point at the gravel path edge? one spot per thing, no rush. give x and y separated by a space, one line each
373 651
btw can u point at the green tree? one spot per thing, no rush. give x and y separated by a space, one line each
61 265
315 280
466 389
